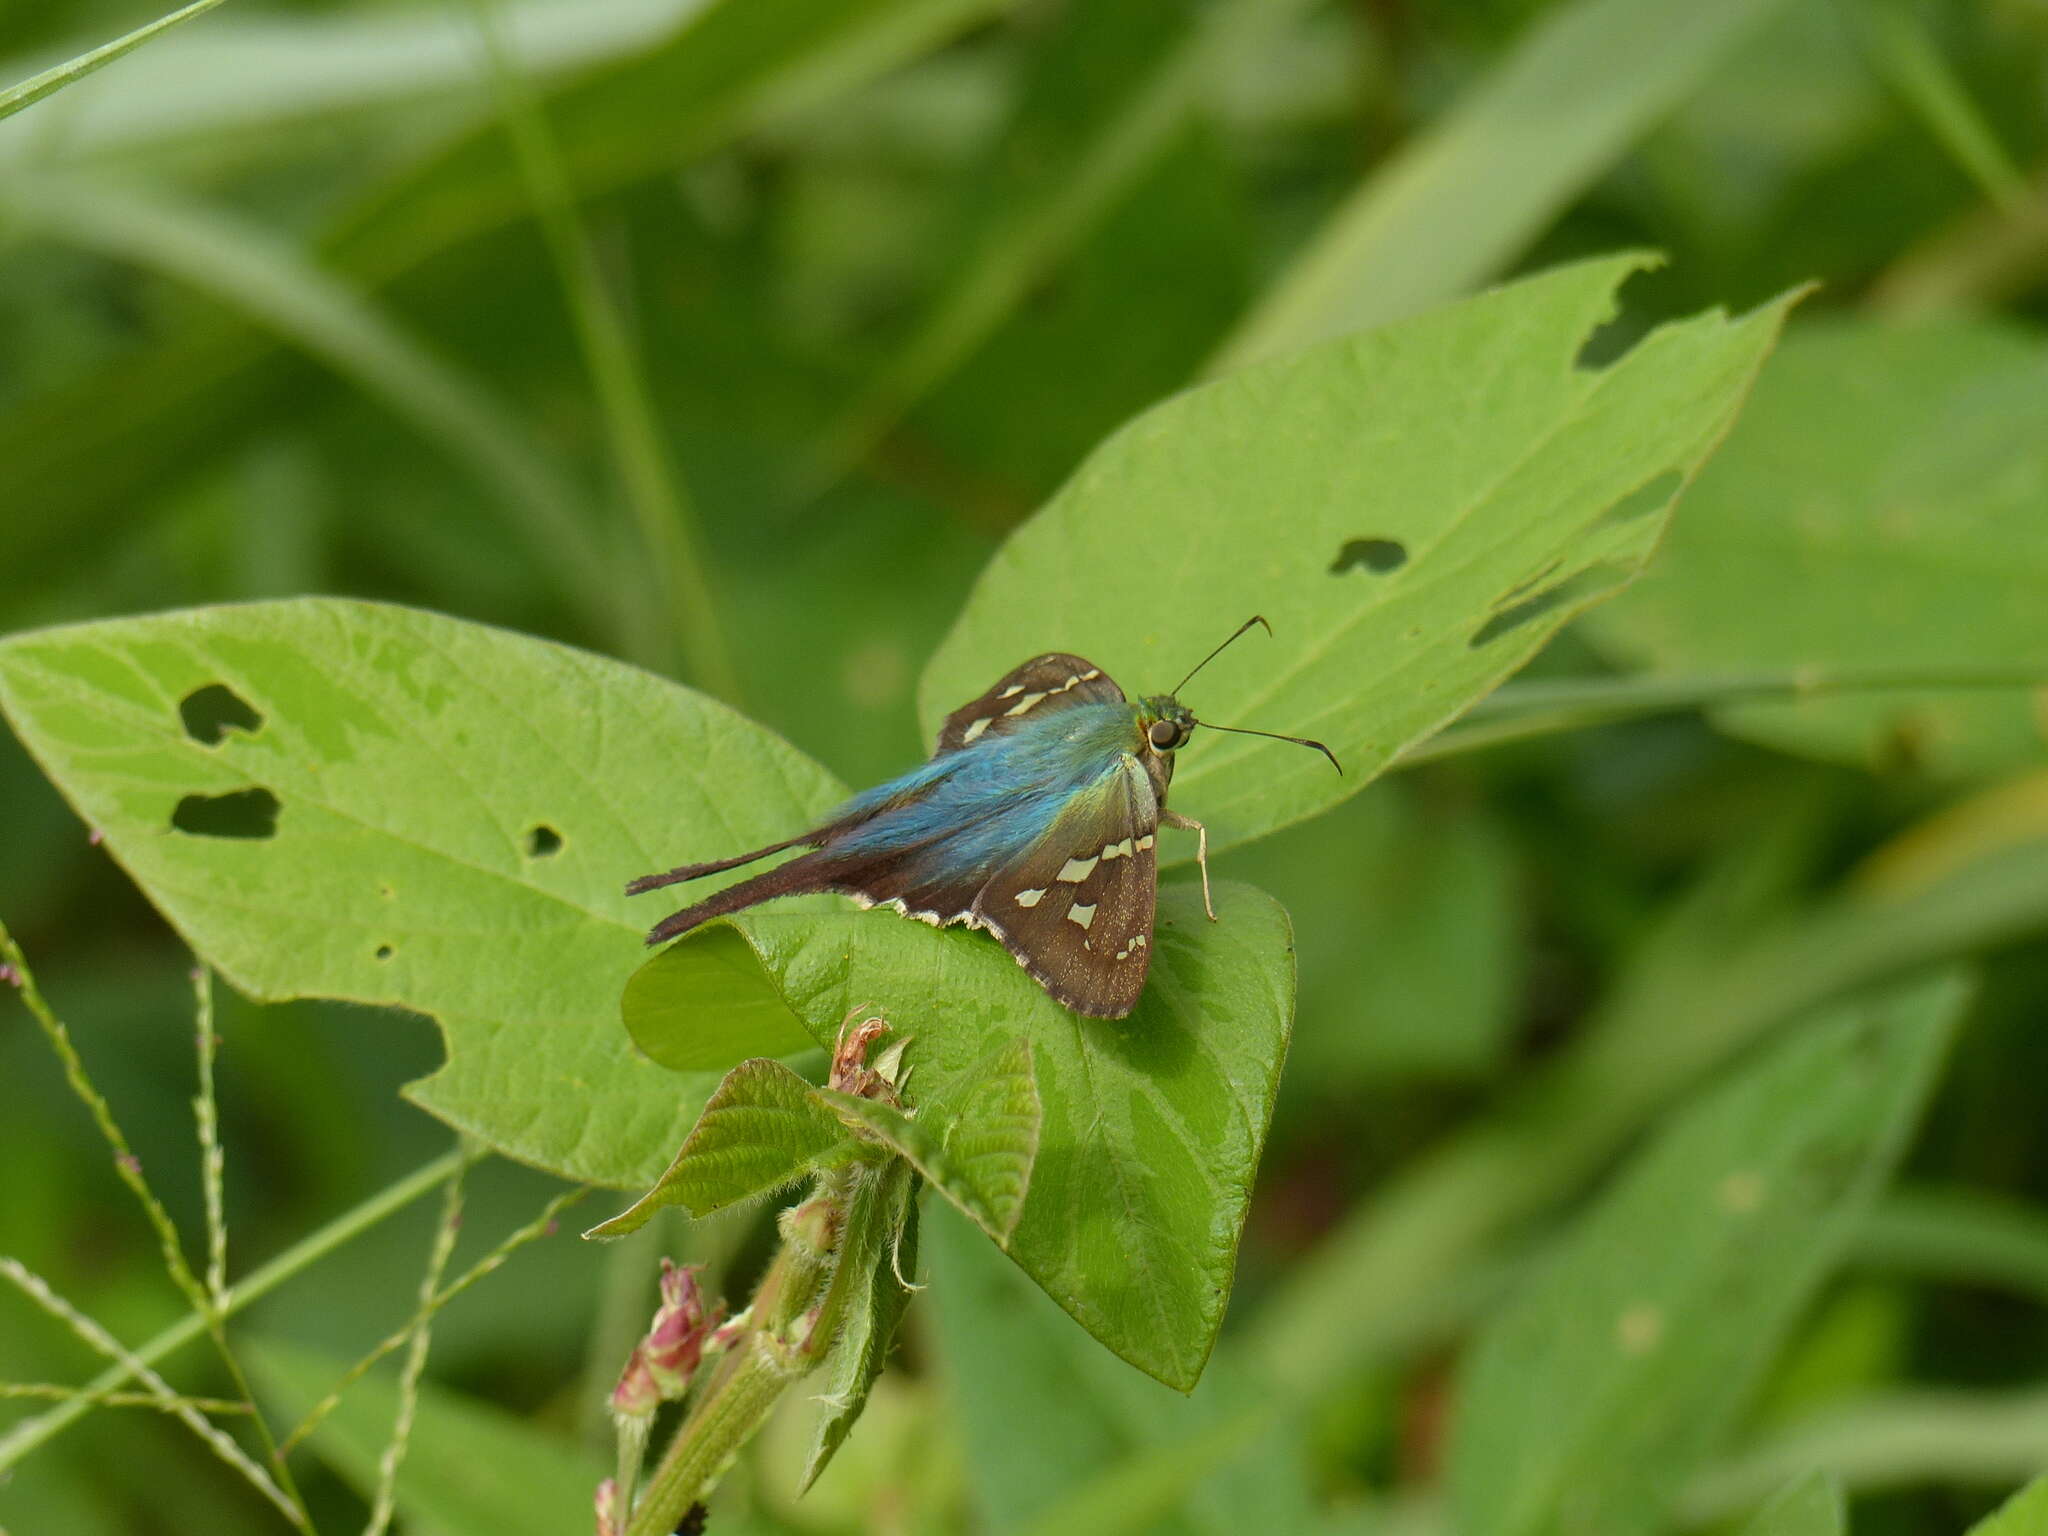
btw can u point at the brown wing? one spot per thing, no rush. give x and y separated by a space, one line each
1055 680
1076 907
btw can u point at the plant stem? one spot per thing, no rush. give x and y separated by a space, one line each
653 488
129 1167
1521 711
792 1320
1908 60
385 1504
32 1433
36 87
734 1406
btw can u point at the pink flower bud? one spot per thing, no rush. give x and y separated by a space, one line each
664 1361
608 1508
638 1394
675 1343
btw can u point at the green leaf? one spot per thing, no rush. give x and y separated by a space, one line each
1810 1507
418 767
877 1256
981 1155
1408 920
1882 503
457 1477
703 1006
1586 1404
1416 510
1152 1125
1895 1440
1460 200
2024 1514
254 74
764 1128
50 81
1702 988
1061 1438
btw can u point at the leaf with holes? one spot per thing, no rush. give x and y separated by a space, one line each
1416 509
1150 1126
1884 503
762 1130
1596 1392
345 800
979 1156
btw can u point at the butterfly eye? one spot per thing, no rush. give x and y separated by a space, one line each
1164 735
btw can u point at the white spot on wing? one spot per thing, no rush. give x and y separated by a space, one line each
1082 914
1145 842
1024 703
1030 898
1011 692
974 729
1120 850
1074 871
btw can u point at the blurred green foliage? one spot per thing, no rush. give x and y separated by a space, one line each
276 318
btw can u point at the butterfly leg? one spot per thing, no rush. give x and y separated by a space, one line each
1182 823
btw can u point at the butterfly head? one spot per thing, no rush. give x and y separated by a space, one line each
1166 722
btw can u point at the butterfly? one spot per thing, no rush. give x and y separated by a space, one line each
1035 820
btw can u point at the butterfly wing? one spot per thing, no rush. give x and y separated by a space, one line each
1076 906
1040 686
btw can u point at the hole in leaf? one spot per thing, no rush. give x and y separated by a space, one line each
1645 498
1528 584
1614 337
244 813
211 712
543 842
1574 588
1376 555
384 951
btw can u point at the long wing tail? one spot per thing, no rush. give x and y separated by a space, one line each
809 872
684 872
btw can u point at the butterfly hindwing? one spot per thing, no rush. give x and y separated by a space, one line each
1042 684
1076 907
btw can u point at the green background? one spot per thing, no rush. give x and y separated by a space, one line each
1630 1168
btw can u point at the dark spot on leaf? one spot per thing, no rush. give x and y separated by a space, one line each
1376 555
1575 587
1645 498
244 813
543 841
387 893
211 712
384 951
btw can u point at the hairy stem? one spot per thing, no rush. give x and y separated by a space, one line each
791 1322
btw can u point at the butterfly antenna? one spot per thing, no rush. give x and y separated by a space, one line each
1256 618
1299 741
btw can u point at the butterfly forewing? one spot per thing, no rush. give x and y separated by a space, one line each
1043 684
1076 907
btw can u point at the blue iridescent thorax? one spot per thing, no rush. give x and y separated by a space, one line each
976 808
